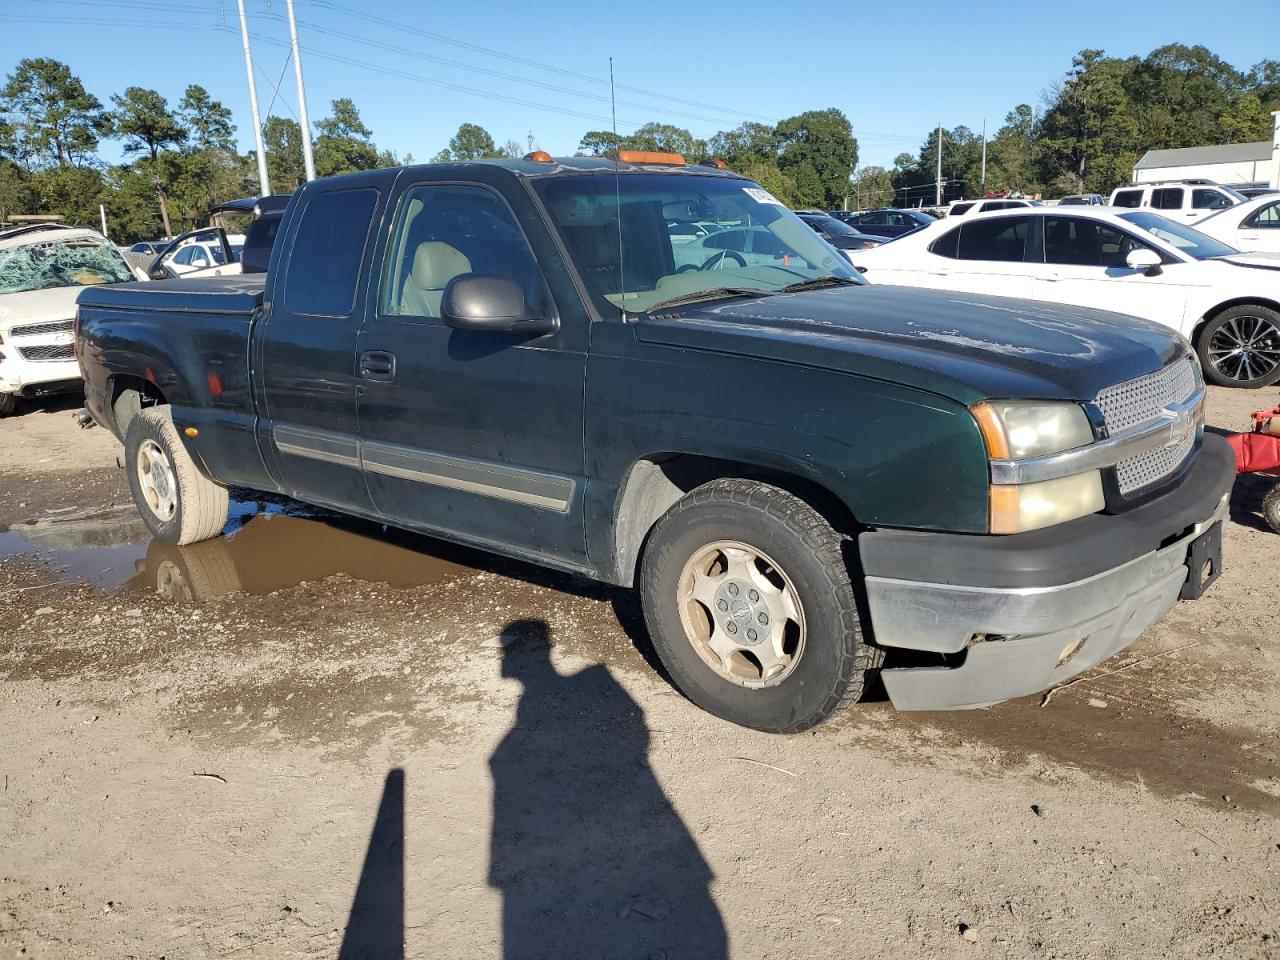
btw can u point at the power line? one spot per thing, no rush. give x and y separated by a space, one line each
524 61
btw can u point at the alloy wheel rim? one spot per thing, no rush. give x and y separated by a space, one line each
741 613
157 481
1245 348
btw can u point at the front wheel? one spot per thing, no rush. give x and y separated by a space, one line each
751 609
8 404
1271 508
1240 347
177 502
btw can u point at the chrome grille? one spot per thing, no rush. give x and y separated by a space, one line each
39 329
1140 401
52 351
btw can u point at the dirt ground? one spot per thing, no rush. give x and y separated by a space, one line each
316 738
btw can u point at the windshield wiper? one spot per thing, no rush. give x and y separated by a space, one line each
826 280
716 293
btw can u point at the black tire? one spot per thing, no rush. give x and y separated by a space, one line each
199 505
1271 508
8 404
1227 328
833 668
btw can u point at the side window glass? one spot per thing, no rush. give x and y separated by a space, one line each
324 264
1265 218
1202 199
1129 198
1168 198
947 245
960 208
1085 243
1000 239
446 231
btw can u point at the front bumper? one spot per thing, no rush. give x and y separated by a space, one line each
22 376
1020 614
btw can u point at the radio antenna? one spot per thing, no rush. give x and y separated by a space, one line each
617 195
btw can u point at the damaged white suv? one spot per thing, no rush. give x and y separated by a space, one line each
43 268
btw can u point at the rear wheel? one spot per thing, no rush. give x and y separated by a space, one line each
751 609
177 502
1240 347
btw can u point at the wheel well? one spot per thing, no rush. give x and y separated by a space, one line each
129 396
1227 305
656 482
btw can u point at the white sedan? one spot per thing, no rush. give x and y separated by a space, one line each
1252 225
1127 261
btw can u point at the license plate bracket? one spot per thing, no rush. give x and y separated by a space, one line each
1204 563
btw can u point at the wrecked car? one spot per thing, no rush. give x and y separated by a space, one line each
809 479
42 270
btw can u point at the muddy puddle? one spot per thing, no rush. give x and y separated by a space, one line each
267 546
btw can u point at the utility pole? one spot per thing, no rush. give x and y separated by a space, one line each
263 183
983 154
938 193
307 159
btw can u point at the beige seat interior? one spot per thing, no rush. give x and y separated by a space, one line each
435 263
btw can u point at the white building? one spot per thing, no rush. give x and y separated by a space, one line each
1232 164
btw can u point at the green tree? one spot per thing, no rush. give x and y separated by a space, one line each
142 119
62 121
208 121
767 174
1089 138
667 138
282 140
73 193
818 152
598 143
471 142
345 144
747 144
871 187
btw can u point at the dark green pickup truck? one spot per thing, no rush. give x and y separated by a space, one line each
656 375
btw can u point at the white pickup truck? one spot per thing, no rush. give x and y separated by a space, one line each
42 270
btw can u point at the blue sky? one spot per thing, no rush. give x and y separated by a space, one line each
894 69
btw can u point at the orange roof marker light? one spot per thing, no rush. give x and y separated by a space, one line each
649 157
715 162
538 156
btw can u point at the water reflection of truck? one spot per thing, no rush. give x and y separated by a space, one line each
273 552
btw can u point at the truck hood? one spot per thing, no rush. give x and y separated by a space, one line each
37 306
962 346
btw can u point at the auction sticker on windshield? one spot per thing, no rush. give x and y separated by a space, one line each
761 196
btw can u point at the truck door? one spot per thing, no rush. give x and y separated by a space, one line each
305 347
475 434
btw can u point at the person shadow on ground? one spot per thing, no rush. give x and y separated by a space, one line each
592 860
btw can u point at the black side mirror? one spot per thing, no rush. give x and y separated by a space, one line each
493 302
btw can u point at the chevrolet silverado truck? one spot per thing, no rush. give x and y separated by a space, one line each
809 479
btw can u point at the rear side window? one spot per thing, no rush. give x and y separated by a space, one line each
1167 198
1128 198
324 263
1203 199
1265 218
960 208
1000 239
947 245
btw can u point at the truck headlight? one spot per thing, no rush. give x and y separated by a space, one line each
1019 507
1025 429
1018 429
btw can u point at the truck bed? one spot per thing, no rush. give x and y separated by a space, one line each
240 295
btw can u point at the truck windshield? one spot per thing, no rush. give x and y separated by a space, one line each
630 237
44 263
